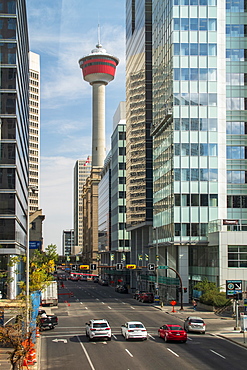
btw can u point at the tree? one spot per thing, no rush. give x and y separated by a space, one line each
211 294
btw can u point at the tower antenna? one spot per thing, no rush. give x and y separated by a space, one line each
99 34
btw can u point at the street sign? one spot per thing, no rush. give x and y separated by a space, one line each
233 287
119 266
73 267
93 266
131 267
151 266
84 267
163 267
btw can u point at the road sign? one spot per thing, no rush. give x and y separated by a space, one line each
119 266
93 266
163 267
233 287
151 266
84 267
74 267
131 267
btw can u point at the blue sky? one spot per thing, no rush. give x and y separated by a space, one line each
62 32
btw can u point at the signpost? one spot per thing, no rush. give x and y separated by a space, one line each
233 288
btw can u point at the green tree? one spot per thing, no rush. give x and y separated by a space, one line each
211 294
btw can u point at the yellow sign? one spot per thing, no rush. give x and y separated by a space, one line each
131 267
84 267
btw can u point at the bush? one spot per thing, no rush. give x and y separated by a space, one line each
216 299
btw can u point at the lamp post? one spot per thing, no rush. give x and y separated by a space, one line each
33 190
157 260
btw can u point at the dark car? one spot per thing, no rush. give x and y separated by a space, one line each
123 289
46 321
172 332
146 297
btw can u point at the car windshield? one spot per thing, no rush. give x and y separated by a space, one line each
100 325
136 326
197 321
171 327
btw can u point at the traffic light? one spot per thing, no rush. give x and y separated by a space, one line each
93 266
119 266
185 290
151 266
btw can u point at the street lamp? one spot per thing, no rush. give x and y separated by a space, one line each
33 190
157 260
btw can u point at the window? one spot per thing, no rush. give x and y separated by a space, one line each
237 256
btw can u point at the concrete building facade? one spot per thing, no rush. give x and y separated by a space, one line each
14 128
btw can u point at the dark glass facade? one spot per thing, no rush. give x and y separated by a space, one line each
14 108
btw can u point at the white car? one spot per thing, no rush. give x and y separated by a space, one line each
195 324
98 329
135 330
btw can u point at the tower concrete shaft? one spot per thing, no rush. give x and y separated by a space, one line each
98 134
98 69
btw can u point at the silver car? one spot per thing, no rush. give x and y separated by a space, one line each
195 324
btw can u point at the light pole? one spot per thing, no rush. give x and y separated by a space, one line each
157 261
33 190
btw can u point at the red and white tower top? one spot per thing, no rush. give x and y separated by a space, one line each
98 69
98 66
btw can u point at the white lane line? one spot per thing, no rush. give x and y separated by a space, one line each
133 308
109 307
128 352
114 336
173 352
189 338
151 336
87 355
123 303
116 299
86 308
97 299
103 302
216 353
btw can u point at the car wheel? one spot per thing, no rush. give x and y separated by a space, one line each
203 332
183 341
126 338
109 338
159 334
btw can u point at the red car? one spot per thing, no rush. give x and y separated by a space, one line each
172 332
146 297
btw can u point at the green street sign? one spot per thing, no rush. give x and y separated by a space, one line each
163 267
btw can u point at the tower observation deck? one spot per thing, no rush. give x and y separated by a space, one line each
98 69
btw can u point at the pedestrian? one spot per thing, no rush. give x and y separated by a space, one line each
194 304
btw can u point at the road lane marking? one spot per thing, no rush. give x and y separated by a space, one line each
133 308
103 302
173 352
109 307
97 299
216 353
86 354
151 336
114 336
86 308
123 303
128 352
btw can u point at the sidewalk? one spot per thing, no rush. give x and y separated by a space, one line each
225 322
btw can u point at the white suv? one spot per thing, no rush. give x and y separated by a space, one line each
98 329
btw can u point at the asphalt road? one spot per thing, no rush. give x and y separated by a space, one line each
67 347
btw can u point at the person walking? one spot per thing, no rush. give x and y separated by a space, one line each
194 304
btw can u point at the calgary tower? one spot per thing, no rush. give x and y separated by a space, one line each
98 69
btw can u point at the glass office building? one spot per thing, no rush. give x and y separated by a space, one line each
139 173
14 126
199 138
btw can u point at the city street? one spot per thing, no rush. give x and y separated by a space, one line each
67 347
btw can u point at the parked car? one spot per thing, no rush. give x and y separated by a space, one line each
74 277
146 297
195 324
98 329
134 330
172 332
137 294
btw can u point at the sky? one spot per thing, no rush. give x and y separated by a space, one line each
62 32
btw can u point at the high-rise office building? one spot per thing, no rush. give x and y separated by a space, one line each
34 130
14 127
139 175
199 145
67 242
82 171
